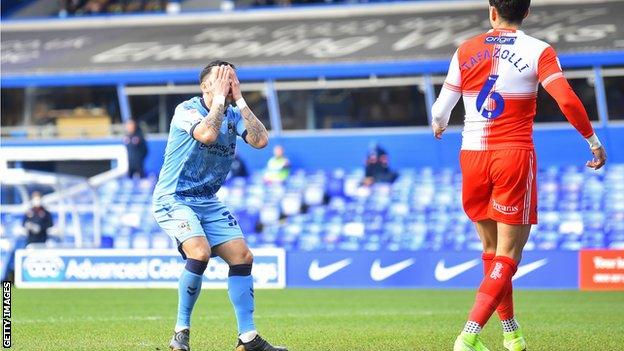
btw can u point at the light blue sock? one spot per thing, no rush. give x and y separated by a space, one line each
240 290
188 291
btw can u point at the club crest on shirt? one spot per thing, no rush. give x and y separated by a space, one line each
231 128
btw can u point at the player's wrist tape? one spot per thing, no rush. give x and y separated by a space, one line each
594 142
241 104
218 99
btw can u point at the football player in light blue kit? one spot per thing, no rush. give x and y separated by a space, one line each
200 149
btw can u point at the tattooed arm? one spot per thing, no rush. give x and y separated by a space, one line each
256 134
207 131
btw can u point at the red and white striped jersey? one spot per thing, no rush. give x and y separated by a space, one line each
498 73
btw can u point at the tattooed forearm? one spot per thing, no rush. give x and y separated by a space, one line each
257 135
214 119
207 131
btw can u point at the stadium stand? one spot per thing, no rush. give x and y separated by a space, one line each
65 8
320 210
70 8
93 7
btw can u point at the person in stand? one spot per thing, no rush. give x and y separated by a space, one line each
238 169
377 167
137 149
278 167
37 221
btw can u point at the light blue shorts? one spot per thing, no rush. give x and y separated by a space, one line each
184 218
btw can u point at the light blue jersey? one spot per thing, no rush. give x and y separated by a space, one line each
192 169
184 203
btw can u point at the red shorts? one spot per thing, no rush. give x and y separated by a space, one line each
500 185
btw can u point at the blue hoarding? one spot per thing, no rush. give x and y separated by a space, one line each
273 268
538 269
133 268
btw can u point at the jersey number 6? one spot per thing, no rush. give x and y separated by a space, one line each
483 95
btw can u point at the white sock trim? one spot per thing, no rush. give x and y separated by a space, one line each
178 329
248 336
510 325
472 327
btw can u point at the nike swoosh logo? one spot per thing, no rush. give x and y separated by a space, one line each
379 273
316 273
529 267
443 273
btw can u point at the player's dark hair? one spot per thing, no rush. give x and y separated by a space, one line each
208 68
512 11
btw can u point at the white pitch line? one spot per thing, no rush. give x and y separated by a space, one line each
218 317
84 319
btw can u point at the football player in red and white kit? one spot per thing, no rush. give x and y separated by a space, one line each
498 73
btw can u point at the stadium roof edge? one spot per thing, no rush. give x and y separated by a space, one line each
259 14
284 72
262 14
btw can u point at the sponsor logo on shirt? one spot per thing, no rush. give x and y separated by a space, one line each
500 40
220 150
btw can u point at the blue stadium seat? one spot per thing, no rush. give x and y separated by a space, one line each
422 210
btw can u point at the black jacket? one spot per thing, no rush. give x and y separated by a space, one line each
37 221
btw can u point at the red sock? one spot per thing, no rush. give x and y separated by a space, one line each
487 258
493 288
505 309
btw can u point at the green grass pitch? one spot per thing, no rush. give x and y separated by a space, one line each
309 320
